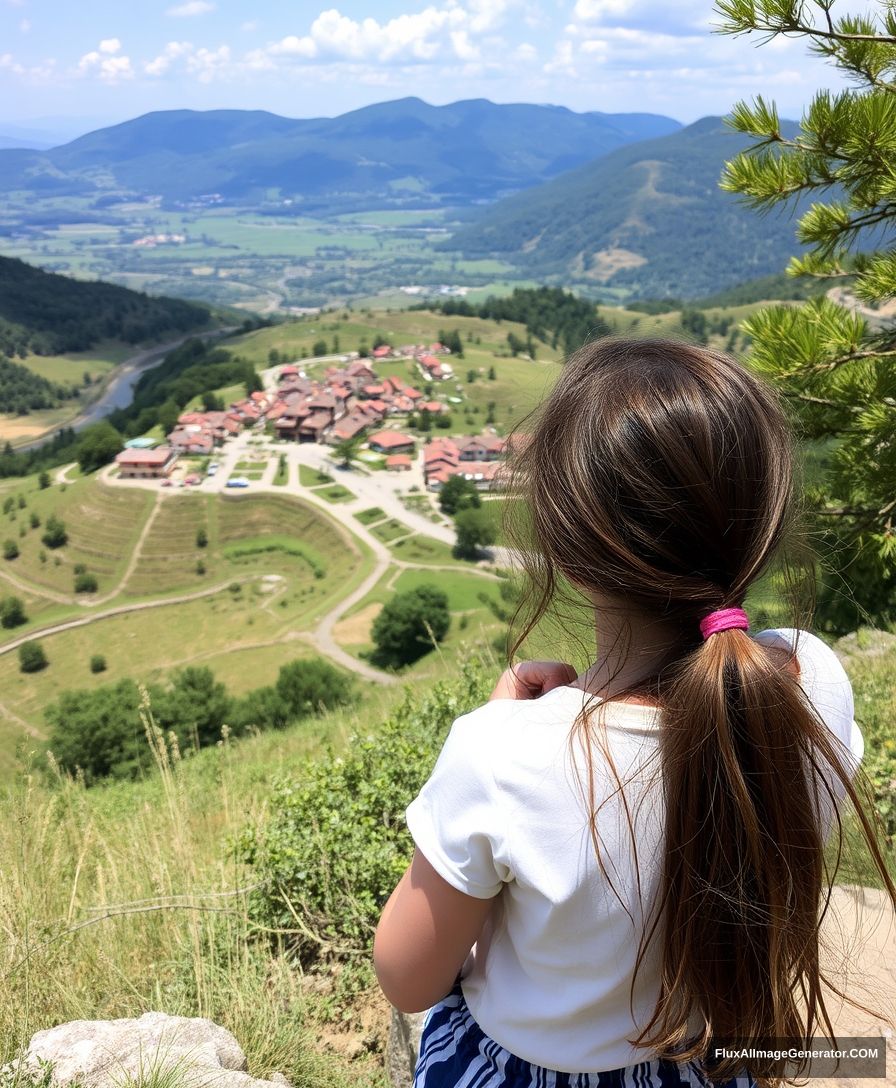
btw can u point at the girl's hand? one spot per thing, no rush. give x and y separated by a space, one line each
530 679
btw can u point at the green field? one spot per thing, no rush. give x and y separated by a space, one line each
236 257
269 570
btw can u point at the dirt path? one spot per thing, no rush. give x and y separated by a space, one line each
37 590
62 473
135 553
5 712
122 609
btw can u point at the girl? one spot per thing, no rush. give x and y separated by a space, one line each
616 868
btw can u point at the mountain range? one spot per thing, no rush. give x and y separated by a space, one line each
404 152
649 218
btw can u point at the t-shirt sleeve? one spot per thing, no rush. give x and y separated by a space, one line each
457 819
826 686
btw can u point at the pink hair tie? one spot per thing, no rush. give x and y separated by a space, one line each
724 620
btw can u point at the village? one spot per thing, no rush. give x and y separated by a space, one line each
348 415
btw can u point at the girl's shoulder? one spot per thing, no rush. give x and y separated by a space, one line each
823 679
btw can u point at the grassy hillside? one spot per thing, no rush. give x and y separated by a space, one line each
648 221
131 896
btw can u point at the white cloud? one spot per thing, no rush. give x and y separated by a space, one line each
165 59
190 8
525 51
449 32
24 25
591 11
292 47
105 62
206 64
249 26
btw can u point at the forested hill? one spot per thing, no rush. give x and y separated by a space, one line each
44 313
401 152
649 218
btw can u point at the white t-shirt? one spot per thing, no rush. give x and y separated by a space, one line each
550 979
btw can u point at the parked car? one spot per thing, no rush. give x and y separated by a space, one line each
237 481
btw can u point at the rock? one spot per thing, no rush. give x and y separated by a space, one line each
102 1053
404 1047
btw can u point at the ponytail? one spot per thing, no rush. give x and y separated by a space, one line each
751 776
657 478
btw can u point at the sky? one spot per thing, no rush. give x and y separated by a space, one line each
79 66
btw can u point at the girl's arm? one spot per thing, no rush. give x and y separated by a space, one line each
424 935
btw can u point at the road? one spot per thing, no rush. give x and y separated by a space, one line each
380 489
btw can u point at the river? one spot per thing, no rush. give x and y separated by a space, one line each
119 392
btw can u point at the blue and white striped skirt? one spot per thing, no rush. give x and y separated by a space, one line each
456 1053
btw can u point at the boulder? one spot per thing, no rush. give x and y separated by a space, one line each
404 1047
103 1053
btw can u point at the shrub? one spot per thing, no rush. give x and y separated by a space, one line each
32 657
475 530
200 567
55 534
335 843
409 623
12 612
10 549
97 663
458 493
85 582
43 481
201 538
35 520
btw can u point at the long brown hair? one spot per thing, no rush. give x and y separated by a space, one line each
660 474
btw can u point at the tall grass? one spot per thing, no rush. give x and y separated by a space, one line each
124 898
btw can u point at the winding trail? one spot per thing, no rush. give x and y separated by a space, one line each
122 609
135 554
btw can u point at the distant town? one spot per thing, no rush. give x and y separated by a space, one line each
346 410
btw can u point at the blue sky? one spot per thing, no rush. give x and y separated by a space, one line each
107 60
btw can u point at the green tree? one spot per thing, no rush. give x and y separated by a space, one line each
12 612
475 531
32 657
831 362
97 663
410 623
492 374
313 686
516 345
85 582
100 731
55 533
43 481
319 348
97 446
347 450
452 341
195 707
201 538
34 520
10 549
167 415
458 493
